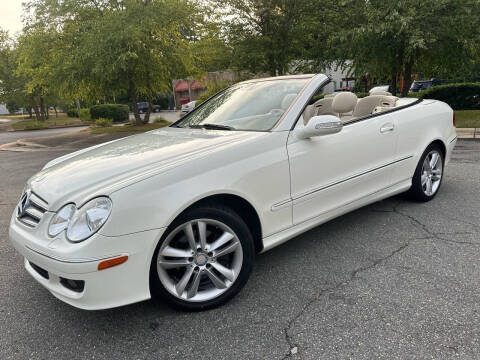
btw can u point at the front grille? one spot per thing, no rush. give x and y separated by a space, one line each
33 210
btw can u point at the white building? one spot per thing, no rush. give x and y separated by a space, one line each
340 78
3 109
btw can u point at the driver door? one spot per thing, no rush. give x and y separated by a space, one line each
331 171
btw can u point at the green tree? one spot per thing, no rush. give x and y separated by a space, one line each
12 86
109 47
36 65
391 38
272 36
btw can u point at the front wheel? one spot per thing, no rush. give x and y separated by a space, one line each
428 175
203 259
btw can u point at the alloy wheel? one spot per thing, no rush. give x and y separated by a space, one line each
431 172
199 260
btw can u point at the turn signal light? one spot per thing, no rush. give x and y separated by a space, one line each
105 264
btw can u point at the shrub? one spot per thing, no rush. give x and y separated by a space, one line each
72 113
115 112
102 122
84 114
362 94
461 96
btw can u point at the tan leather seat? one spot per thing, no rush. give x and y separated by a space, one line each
344 103
319 107
386 93
366 105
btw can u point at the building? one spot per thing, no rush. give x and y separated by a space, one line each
186 90
341 79
4 110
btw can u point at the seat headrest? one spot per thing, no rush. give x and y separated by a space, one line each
319 107
287 100
386 93
344 102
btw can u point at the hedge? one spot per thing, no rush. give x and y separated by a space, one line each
72 113
84 114
461 96
115 112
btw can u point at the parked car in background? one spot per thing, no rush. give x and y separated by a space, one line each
179 213
189 106
422 85
382 89
143 107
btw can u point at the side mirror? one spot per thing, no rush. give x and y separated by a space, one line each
321 125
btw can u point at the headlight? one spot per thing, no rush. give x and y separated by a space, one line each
89 219
60 221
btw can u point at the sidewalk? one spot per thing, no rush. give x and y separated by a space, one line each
468 133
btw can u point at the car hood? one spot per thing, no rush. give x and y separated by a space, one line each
105 168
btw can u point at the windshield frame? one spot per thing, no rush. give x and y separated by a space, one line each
308 79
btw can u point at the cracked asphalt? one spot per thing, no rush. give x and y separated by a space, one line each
394 280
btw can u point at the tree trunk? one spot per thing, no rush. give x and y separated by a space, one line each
146 118
30 112
33 105
393 83
133 97
42 109
37 113
407 77
55 109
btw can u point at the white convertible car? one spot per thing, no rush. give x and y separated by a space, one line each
179 213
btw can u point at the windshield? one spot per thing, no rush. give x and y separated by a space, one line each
253 106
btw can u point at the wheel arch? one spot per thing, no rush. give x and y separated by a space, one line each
239 205
441 144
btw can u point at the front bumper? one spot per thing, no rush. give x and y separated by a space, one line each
52 262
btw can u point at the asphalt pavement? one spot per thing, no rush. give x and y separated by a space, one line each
394 280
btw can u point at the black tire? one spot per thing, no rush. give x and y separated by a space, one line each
416 191
228 217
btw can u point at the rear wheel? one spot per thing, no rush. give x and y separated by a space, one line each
428 175
203 260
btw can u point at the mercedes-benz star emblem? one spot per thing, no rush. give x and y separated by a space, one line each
23 203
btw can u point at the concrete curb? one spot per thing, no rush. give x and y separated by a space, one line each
23 145
53 128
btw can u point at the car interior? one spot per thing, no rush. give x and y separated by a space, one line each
348 107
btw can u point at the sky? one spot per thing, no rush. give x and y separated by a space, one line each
10 15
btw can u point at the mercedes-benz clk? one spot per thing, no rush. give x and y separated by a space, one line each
180 213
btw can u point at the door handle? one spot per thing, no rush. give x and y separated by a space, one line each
387 128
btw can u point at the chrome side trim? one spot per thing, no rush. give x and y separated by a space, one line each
349 178
69 260
296 229
281 205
